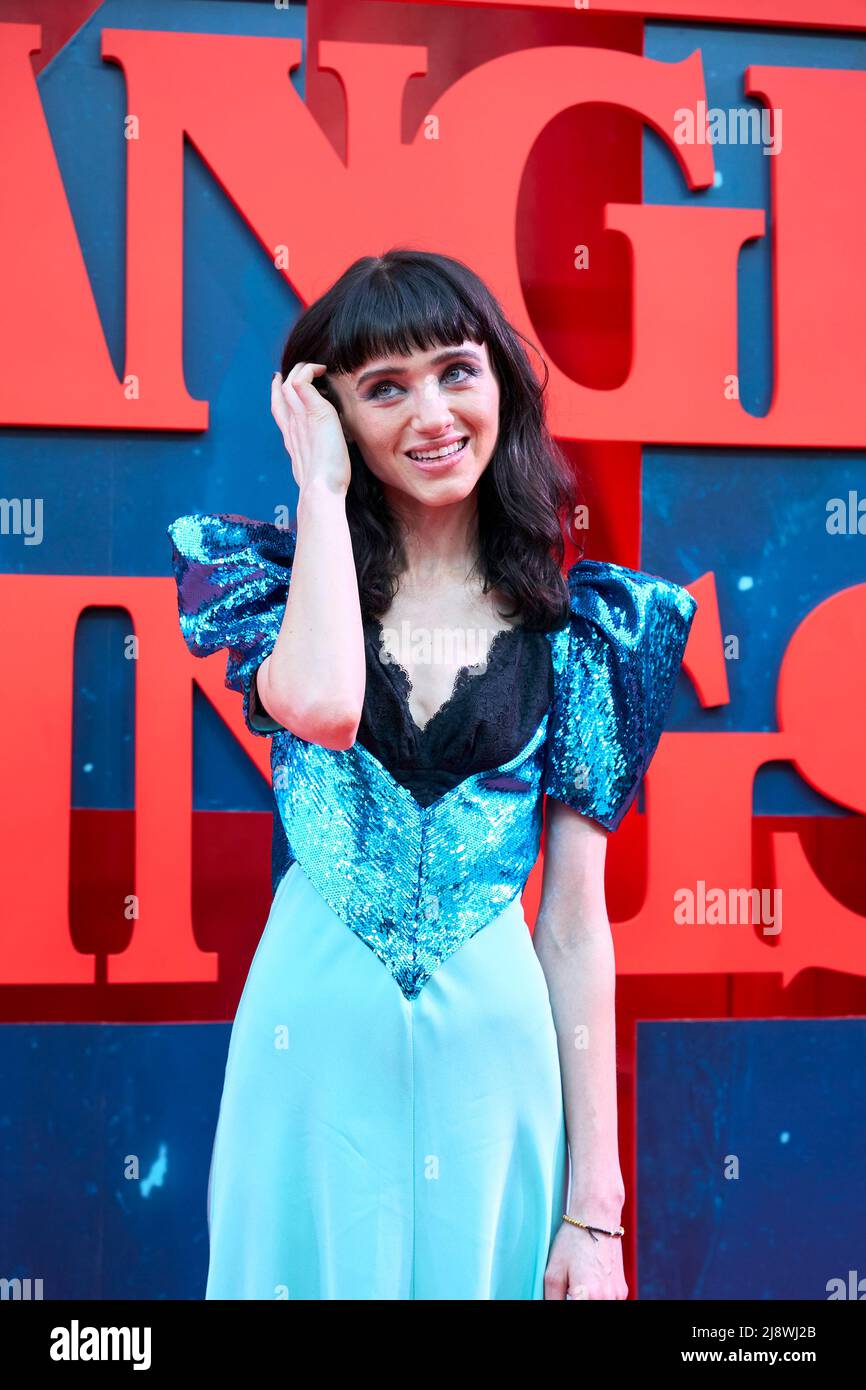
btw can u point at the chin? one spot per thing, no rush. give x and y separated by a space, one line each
444 492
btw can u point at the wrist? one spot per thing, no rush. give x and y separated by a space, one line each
598 1208
319 496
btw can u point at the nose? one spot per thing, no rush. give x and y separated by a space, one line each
431 411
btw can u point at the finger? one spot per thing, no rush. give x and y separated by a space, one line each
276 389
312 367
314 402
555 1285
277 402
279 406
305 371
295 405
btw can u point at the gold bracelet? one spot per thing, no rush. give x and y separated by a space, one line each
572 1221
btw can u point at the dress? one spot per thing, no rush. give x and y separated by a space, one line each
391 1123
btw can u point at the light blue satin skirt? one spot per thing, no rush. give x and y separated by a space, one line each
369 1147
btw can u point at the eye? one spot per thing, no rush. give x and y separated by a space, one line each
461 367
373 393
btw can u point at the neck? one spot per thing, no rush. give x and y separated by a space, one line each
439 543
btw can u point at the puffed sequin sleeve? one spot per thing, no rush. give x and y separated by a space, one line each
232 576
628 633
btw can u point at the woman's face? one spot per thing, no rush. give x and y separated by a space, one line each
397 408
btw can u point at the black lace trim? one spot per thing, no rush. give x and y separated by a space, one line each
462 681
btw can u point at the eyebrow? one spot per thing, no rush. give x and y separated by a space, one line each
393 370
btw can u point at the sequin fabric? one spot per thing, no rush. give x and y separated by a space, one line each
615 680
232 577
415 883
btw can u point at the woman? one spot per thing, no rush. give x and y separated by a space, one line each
409 1070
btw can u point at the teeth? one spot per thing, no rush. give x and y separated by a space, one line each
439 454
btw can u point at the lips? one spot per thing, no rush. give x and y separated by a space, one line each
448 444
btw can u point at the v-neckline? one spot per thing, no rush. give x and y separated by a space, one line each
558 640
404 682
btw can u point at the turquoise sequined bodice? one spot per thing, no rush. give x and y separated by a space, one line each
415 882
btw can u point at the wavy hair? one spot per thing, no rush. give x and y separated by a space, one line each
407 299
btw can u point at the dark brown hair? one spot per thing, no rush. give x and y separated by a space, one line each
409 299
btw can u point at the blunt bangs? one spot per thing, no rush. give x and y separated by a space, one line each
385 313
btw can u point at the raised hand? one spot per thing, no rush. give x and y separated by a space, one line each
311 429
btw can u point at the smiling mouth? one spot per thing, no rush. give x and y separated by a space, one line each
429 458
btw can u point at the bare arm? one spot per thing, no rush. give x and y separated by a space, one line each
573 942
314 679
